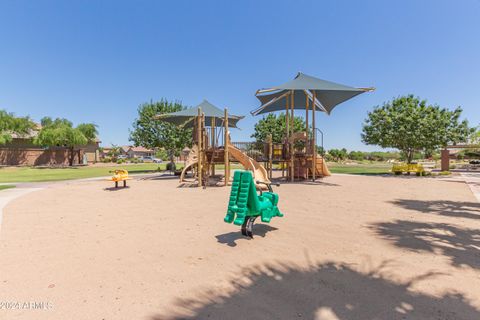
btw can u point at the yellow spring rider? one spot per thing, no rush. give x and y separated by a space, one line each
120 175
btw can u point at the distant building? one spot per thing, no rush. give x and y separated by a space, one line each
129 152
138 152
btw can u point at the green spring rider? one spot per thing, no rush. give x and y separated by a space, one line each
245 205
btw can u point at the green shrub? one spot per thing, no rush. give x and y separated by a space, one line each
171 166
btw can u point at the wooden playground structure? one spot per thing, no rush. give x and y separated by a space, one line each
212 146
299 154
296 155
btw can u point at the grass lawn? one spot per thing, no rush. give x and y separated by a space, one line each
27 174
6 187
370 168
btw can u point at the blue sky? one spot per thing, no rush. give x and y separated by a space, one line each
96 61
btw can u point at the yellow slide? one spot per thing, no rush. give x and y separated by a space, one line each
259 172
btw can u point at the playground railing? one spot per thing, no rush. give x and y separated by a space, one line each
255 150
219 136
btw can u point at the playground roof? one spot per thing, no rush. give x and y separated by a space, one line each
328 94
185 117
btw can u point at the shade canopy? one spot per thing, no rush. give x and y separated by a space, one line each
185 117
327 94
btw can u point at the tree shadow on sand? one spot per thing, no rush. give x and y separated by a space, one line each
459 209
325 291
231 238
460 245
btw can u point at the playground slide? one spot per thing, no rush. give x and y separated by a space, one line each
324 169
259 172
191 160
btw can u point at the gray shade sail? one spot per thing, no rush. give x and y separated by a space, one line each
185 117
328 94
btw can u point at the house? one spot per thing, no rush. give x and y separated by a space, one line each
21 151
138 152
129 152
107 151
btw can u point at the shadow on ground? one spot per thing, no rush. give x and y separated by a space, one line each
116 189
460 245
319 183
160 176
459 209
326 291
231 238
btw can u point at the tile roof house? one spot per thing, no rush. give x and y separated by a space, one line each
137 152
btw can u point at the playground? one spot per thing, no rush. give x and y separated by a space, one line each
280 238
157 251
240 160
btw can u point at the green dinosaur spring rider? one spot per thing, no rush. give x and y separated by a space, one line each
245 205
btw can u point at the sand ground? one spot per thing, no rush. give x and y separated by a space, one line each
351 247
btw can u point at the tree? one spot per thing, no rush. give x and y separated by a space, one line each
61 133
114 152
9 125
410 125
475 136
338 154
356 155
276 126
152 133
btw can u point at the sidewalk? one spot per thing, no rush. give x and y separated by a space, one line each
23 188
10 194
473 181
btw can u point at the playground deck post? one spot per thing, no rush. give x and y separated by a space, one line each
226 155
200 148
212 137
291 146
314 140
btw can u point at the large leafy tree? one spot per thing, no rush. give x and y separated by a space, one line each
276 126
61 132
338 154
411 125
475 136
10 124
151 133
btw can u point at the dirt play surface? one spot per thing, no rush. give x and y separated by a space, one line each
352 247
